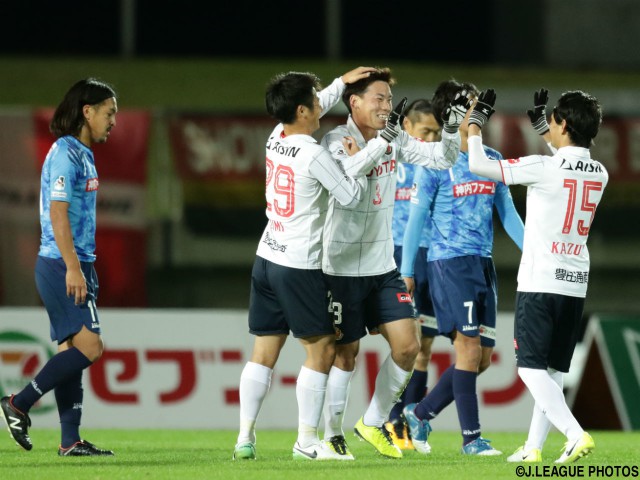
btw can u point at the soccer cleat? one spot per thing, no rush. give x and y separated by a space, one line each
480 446
528 456
379 438
399 434
18 423
244 451
318 451
419 429
83 448
339 445
577 449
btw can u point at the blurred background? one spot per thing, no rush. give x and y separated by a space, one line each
181 202
181 194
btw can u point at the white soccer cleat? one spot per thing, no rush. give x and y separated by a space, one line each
318 451
527 456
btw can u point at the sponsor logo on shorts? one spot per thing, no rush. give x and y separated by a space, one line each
487 332
468 328
512 161
95 325
339 333
515 344
404 298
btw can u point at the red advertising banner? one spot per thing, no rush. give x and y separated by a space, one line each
121 236
220 149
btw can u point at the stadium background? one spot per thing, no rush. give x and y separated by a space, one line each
190 75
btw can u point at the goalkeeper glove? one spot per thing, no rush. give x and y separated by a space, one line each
483 108
454 114
392 130
538 115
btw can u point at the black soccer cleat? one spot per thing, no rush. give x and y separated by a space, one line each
83 448
18 423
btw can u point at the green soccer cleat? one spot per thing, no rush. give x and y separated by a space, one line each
244 451
378 437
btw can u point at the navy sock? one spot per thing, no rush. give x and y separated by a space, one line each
464 391
416 388
438 398
69 399
56 371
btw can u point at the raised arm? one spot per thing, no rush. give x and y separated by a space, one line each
478 161
330 95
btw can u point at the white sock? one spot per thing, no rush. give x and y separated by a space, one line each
540 424
550 399
335 402
390 384
310 391
254 385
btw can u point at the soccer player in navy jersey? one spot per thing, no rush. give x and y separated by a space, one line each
462 279
65 277
563 192
420 122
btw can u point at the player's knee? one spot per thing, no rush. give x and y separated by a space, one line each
345 356
484 364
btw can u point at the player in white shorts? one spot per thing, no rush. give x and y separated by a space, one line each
563 193
288 288
358 259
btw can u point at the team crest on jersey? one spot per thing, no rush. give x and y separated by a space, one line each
389 150
59 183
404 297
92 184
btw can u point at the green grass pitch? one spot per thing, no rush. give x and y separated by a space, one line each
176 454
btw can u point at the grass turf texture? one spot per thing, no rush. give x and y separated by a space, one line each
172 454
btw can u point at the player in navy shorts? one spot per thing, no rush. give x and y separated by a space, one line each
65 277
563 192
462 279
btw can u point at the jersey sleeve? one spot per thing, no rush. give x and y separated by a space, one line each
330 95
362 162
419 209
437 155
508 214
346 190
524 170
63 176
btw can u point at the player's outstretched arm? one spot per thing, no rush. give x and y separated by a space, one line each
357 74
479 163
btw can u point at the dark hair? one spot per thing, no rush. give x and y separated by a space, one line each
445 92
417 107
286 91
359 87
68 118
583 115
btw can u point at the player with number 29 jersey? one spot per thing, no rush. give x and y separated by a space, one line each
300 174
564 192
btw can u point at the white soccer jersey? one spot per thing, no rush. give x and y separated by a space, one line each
299 174
359 241
563 193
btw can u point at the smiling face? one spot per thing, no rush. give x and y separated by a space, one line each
371 110
99 120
